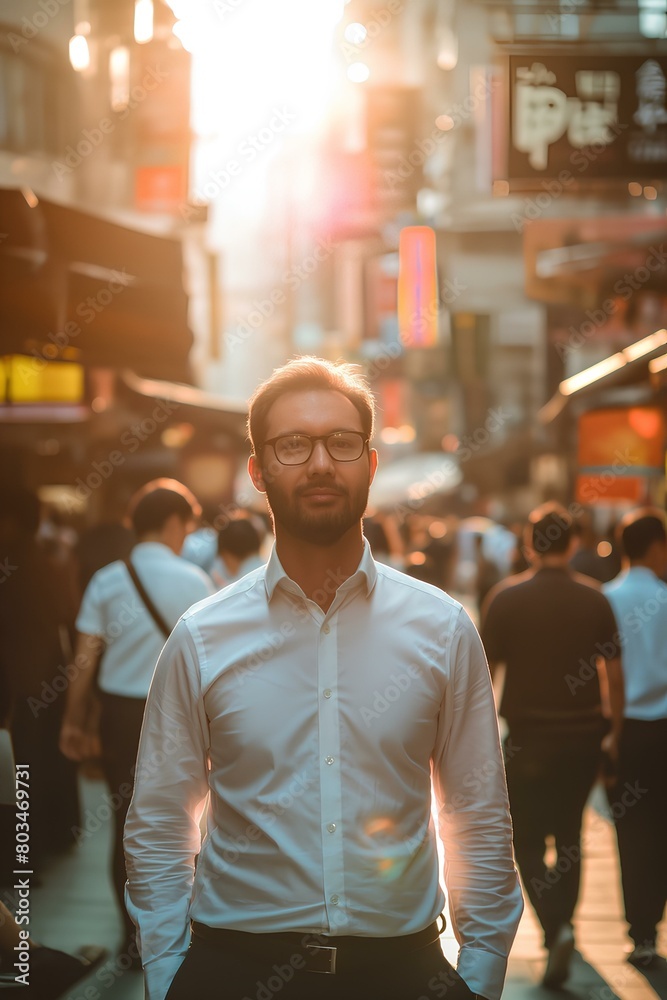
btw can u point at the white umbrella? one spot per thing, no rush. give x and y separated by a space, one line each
411 480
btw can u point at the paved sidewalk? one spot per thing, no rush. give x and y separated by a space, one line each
599 969
74 906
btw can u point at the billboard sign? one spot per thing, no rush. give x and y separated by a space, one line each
590 117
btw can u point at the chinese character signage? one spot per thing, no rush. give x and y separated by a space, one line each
590 116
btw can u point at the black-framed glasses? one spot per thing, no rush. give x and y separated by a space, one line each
296 449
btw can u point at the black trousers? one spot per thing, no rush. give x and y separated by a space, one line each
211 972
549 779
120 728
639 806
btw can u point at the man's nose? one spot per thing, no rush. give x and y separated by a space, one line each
320 459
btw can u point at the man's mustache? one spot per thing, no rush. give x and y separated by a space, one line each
312 487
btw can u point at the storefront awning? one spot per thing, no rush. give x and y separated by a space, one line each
626 367
192 403
74 286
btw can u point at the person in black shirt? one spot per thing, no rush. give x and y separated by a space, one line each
556 635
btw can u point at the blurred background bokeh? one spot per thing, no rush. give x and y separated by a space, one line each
192 192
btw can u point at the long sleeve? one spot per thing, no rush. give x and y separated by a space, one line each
162 835
469 781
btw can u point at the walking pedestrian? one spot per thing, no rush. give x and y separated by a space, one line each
127 611
553 630
317 701
639 599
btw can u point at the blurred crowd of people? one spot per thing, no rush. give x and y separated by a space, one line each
64 698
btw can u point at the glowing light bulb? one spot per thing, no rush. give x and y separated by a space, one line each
358 72
79 53
143 21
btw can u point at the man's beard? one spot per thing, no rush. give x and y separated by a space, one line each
319 527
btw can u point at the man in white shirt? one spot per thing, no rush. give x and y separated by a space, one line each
319 700
114 620
638 596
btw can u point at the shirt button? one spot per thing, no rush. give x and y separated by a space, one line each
330 760
326 629
327 692
334 899
331 827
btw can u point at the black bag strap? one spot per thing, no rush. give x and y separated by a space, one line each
150 607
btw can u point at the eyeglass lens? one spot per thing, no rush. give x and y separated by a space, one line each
297 448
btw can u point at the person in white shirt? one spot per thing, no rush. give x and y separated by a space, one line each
317 703
105 717
638 799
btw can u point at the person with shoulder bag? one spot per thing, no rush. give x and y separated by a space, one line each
128 610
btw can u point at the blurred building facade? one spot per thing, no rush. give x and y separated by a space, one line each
109 292
531 136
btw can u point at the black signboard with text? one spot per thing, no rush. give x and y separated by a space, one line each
584 118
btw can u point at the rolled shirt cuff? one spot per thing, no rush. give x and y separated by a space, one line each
159 975
483 973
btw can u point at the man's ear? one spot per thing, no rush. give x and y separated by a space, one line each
373 460
255 473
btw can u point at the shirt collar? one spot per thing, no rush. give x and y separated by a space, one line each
635 571
157 547
365 575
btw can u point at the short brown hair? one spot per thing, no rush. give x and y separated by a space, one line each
549 529
302 374
155 502
639 529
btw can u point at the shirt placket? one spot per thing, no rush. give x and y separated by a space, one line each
330 771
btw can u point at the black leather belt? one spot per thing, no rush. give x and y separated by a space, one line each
310 952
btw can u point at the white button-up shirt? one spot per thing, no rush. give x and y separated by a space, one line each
639 600
112 609
318 736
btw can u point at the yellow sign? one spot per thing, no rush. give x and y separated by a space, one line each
34 380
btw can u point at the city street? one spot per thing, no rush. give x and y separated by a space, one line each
74 906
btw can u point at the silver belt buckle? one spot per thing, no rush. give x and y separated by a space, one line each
325 958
